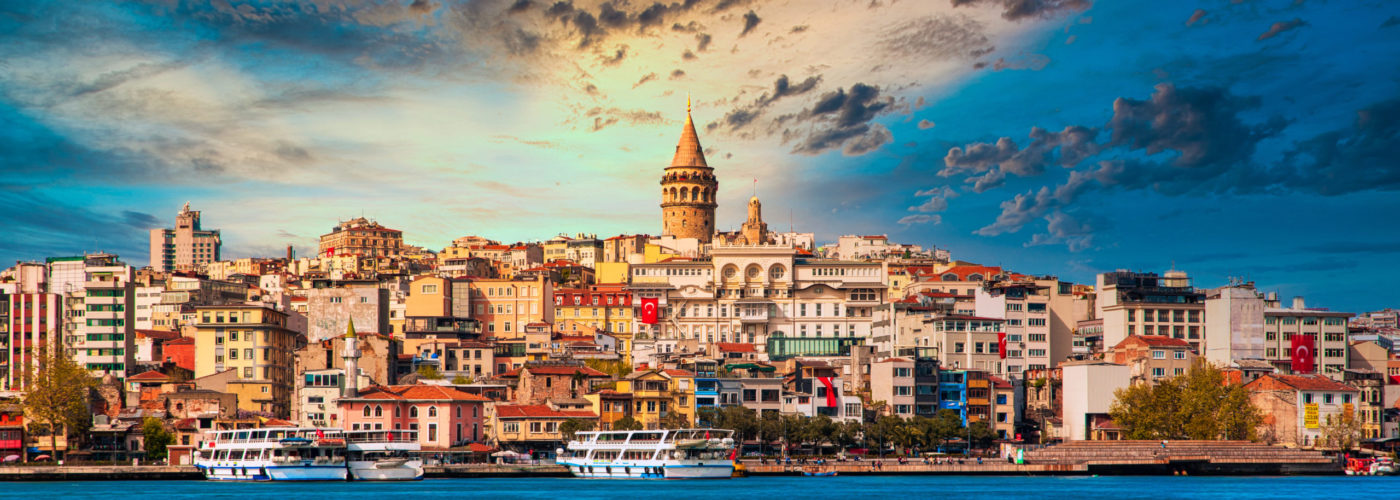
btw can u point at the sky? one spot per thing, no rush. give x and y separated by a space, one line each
1226 138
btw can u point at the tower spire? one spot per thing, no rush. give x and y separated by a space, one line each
688 150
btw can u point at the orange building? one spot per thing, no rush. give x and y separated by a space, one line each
505 306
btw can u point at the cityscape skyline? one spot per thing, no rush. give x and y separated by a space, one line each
1202 149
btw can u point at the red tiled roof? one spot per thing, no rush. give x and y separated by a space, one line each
479 448
1301 382
999 382
1155 341
735 347
678 373
150 376
419 393
180 341
962 272
539 411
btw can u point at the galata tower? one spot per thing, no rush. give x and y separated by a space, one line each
688 189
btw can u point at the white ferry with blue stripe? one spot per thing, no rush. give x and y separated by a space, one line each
655 454
274 454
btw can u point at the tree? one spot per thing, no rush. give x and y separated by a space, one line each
627 424
982 434
1195 405
616 367
57 392
818 431
882 430
156 437
847 434
462 380
1342 431
570 427
429 372
674 420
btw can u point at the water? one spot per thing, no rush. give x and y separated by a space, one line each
768 488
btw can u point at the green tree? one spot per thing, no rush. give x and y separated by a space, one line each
627 424
1342 432
818 431
882 431
570 427
982 434
615 367
57 393
156 438
1195 405
462 380
674 420
792 431
429 372
847 434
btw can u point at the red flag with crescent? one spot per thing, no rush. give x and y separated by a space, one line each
1302 349
649 310
1001 344
830 391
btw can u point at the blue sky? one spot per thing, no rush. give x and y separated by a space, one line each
1258 139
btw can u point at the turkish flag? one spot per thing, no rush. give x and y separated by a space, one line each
1001 344
649 310
830 391
330 251
1302 349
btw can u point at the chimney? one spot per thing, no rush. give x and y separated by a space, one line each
1298 302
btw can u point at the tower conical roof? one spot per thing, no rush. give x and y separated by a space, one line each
350 329
688 150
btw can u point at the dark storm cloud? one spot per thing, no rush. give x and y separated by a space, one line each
617 56
842 119
1015 10
140 220
677 74
425 7
782 87
520 6
1280 27
751 21
645 78
1365 156
1209 148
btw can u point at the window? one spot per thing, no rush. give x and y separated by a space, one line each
367 410
512 427
429 289
1159 354
1327 399
1158 372
378 411
1179 355
413 412
432 411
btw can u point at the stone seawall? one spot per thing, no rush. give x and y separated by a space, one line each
98 472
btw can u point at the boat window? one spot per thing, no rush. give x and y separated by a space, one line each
235 455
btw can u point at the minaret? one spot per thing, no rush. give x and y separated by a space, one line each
688 189
351 354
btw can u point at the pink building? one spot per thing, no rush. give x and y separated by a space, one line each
444 417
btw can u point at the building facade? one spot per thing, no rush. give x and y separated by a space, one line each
254 342
361 236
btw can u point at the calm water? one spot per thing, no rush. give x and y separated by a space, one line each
774 488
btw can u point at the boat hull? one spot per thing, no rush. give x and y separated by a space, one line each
276 473
644 471
367 471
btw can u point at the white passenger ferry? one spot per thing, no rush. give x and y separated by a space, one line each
273 454
658 454
383 455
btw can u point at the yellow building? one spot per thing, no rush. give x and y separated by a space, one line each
656 253
657 393
255 342
611 272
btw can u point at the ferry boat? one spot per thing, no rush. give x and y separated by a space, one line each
273 454
383 455
655 454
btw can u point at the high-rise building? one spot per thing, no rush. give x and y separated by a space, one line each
99 320
688 189
187 246
253 341
31 325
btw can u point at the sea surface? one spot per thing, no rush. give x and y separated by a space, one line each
768 488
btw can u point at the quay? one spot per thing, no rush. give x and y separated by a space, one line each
190 472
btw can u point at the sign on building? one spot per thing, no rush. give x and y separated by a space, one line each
1310 415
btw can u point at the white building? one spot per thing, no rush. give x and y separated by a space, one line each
1088 391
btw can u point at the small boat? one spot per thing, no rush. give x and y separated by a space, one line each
818 471
1383 466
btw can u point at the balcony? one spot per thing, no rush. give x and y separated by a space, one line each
756 315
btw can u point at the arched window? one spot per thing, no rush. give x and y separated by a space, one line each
974 277
378 411
685 193
459 411
432 411
397 413
950 277
695 195
413 412
366 410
